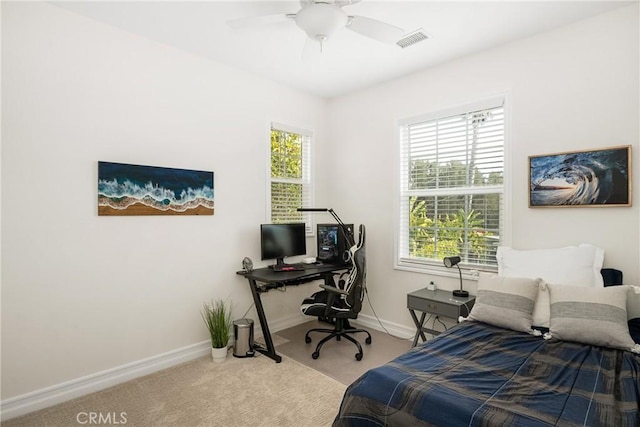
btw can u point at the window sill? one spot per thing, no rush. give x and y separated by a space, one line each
468 273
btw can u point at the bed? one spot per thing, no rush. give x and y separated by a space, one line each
483 374
479 374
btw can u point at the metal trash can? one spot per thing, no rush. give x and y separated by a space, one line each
243 335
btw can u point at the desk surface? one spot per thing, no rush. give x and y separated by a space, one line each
267 275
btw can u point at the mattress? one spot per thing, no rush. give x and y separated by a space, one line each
477 374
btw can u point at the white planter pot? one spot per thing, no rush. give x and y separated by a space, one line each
219 354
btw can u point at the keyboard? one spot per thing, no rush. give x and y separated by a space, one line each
287 267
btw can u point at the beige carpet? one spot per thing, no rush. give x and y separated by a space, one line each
239 392
337 358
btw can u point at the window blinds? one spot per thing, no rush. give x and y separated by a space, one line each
290 175
452 185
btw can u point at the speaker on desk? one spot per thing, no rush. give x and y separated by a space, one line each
332 244
247 264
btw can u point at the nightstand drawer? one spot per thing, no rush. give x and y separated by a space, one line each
433 307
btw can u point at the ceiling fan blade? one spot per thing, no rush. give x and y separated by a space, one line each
375 29
256 21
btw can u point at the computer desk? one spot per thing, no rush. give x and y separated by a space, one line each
264 279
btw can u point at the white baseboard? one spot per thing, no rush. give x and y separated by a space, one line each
283 323
395 329
43 398
49 396
364 320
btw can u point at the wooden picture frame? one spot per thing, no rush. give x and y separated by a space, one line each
588 178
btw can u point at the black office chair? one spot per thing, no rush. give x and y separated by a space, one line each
341 303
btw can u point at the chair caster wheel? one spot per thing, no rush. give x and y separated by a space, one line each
307 339
358 356
315 355
368 340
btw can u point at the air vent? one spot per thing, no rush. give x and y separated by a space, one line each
412 38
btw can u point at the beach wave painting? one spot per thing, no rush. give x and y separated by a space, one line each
583 178
125 189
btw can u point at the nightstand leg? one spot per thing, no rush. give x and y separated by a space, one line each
419 324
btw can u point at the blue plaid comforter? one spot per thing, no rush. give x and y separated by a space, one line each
479 375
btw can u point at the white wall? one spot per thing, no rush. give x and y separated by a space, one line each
571 89
82 293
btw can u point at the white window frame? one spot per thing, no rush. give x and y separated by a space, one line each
306 180
436 267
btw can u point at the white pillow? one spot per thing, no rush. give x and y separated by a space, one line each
571 265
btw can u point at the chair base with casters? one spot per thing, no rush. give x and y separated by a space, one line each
342 329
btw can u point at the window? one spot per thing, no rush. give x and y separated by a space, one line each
452 187
290 175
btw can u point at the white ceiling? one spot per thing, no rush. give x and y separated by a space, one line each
349 61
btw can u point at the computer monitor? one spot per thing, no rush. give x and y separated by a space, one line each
332 244
278 241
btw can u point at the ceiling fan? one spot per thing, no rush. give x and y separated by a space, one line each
319 19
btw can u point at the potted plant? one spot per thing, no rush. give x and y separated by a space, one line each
217 317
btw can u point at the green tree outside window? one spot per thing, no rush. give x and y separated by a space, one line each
288 175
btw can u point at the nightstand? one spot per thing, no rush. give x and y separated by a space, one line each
437 303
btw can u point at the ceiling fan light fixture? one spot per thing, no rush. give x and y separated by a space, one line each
320 20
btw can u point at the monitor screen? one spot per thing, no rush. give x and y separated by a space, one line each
282 240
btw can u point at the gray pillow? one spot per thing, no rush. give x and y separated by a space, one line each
596 316
505 301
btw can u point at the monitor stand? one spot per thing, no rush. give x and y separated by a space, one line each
279 264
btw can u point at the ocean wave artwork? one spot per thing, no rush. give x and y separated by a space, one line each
583 178
125 189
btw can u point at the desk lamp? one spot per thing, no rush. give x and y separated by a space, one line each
449 262
348 233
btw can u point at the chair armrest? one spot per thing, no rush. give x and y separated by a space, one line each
334 290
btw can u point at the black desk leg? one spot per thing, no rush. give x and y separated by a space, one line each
419 324
270 351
